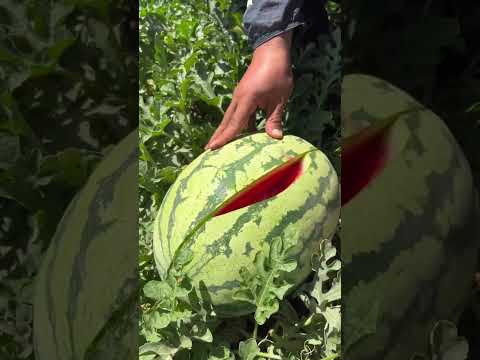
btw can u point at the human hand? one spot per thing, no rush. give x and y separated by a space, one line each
267 84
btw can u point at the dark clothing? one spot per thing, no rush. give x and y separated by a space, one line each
265 19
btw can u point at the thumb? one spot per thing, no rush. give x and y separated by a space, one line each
273 125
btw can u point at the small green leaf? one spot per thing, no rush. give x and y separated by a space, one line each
248 349
157 290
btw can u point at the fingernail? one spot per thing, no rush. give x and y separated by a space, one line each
277 133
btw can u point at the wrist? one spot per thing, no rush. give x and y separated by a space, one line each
275 51
282 41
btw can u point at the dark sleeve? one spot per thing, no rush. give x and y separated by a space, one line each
265 19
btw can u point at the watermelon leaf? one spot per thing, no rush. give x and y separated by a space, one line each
178 319
267 287
156 290
322 326
248 349
446 344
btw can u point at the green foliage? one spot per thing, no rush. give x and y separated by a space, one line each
66 71
192 55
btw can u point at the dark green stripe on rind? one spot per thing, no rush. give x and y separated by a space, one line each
227 285
103 198
46 286
221 245
119 325
180 197
248 248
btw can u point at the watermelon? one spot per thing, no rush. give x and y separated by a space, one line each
409 222
86 290
230 203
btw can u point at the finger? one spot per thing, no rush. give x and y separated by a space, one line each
273 125
226 119
252 127
238 122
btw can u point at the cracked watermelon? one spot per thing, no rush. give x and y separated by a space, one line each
84 306
409 222
228 203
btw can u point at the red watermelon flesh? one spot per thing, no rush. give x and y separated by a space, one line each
266 187
361 164
365 154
